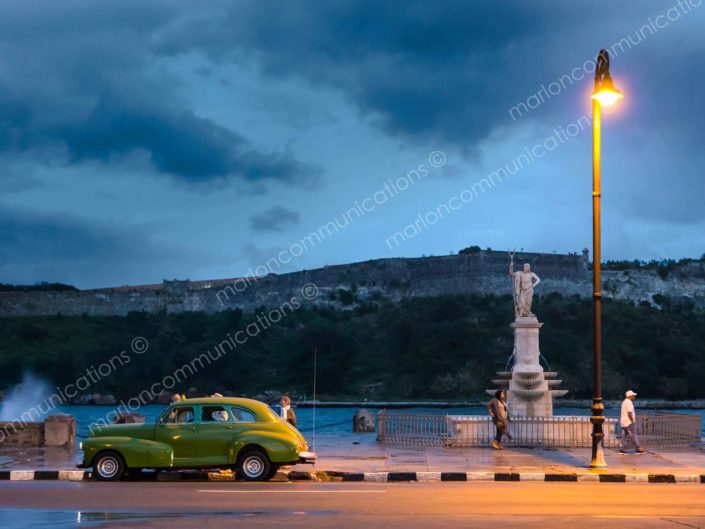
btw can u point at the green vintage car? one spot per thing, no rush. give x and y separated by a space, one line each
243 434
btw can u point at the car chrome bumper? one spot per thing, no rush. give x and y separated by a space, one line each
307 457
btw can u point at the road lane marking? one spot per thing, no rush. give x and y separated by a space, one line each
295 491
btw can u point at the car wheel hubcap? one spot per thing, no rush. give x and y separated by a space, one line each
253 467
107 467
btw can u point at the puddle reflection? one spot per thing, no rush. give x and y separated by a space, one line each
40 518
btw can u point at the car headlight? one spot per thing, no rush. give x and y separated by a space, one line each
80 445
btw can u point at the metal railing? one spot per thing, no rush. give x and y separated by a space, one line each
412 429
660 430
668 430
556 431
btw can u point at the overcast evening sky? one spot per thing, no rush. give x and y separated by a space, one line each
143 140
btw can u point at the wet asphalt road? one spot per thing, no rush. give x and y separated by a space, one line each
347 505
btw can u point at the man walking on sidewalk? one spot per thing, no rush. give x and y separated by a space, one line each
627 421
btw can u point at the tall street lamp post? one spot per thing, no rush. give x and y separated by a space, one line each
606 95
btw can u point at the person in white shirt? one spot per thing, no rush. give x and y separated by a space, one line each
627 421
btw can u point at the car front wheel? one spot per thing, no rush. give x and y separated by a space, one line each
254 465
108 466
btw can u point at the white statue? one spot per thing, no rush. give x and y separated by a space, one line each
524 283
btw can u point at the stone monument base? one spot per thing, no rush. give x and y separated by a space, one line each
529 388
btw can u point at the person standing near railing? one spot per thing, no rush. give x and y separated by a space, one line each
627 421
497 408
287 414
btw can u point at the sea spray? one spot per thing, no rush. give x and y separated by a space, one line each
25 396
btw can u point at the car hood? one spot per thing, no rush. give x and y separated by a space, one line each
139 431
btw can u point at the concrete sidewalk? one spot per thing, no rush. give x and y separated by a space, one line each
359 457
361 453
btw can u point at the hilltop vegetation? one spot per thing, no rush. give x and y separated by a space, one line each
663 267
445 347
42 286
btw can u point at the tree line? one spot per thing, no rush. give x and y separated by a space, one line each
446 347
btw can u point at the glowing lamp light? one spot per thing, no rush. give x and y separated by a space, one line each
606 94
607 98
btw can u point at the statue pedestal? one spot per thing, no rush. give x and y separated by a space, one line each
526 344
528 393
528 386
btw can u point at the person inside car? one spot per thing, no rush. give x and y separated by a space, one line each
184 415
220 416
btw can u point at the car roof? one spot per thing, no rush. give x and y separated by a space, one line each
233 401
261 410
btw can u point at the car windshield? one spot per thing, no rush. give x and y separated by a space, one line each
165 414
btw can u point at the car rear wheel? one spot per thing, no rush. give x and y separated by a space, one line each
108 466
254 465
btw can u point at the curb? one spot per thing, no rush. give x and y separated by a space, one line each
36 475
387 477
370 477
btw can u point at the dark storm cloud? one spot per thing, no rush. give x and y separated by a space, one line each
179 143
63 65
427 69
447 70
451 70
444 71
15 117
277 218
61 248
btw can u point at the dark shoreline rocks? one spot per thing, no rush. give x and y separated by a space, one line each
128 418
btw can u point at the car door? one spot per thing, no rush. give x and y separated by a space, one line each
216 433
177 428
244 421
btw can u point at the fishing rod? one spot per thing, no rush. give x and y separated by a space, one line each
315 367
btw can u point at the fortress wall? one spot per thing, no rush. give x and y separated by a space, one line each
394 279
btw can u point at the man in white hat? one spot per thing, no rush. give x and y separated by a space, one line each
627 421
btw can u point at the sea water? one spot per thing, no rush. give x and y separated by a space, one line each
328 420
